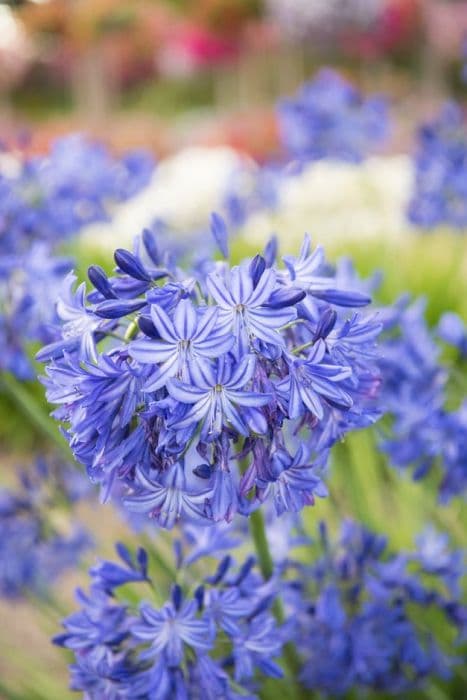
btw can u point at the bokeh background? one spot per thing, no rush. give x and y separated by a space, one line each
195 83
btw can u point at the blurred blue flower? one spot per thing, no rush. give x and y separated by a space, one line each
330 118
439 196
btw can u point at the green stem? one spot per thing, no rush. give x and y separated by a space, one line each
258 534
266 566
28 405
131 331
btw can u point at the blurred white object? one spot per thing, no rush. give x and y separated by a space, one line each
183 192
302 18
331 200
335 201
15 49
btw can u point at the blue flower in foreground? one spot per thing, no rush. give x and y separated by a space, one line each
166 496
206 367
309 380
214 396
177 623
246 306
185 340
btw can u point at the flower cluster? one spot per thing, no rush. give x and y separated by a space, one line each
350 604
427 429
330 118
52 197
440 188
35 548
210 639
44 200
28 285
190 387
361 609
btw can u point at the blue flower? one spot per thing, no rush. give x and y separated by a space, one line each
162 364
36 549
453 330
290 483
244 308
360 611
185 340
440 190
215 394
166 496
168 629
310 381
330 118
219 639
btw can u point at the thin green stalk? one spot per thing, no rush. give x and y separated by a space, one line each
28 405
258 534
266 565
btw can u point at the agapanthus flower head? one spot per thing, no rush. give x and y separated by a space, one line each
29 285
212 637
35 548
439 195
186 387
428 424
330 118
361 608
52 196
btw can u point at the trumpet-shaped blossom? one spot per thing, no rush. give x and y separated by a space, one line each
214 396
184 341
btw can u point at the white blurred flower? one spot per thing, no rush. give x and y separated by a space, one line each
334 201
183 192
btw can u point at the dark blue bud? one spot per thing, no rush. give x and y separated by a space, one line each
323 533
118 308
340 297
177 596
142 559
99 279
147 327
204 471
326 324
244 571
263 605
270 251
257 267
124 554
178 554
149 242
221 570
129 263
286 296
199 597
219 231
